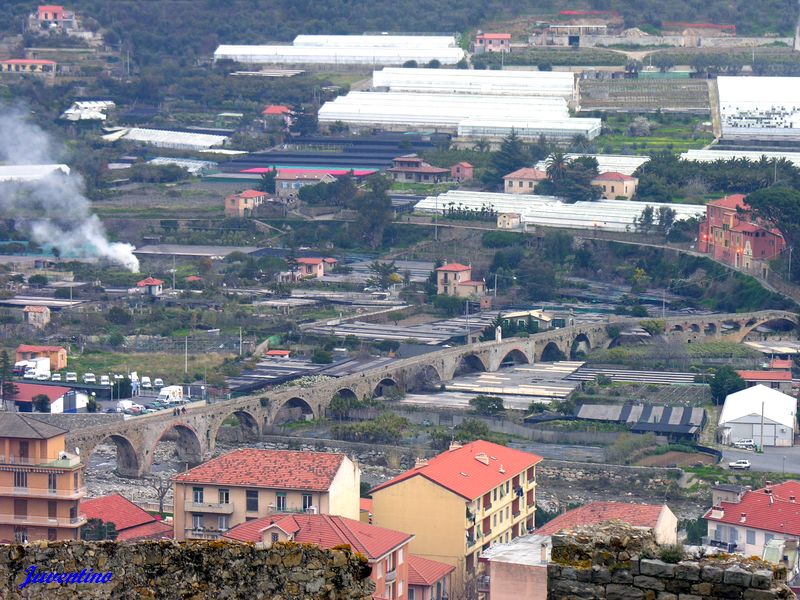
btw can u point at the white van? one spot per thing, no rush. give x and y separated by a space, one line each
158 382
104 380
171 394
72 377
89 378
146 385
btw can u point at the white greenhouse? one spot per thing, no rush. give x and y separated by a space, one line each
376 41
462 81
161 138
337 55
530 129
616 163
755 156
762 107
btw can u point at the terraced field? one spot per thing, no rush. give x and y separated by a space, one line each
645 95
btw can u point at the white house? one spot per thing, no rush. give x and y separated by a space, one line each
748 413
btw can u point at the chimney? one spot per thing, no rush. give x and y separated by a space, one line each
543 550
420 462
743 518
482 458
454 445
502 470
792 499
717 512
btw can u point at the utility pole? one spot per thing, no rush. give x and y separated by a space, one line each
186 354
240 341
761 445
663 304
495 284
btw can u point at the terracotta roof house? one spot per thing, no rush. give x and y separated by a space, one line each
248 483
385 550
56 354
276 110
62 399
313 267
289 182
428 579
151 286
492 42
616 185
37 316
131 522
777 380
455 279
412 169
760 516
244 203
523 181
462 171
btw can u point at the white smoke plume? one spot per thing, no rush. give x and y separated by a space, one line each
54 210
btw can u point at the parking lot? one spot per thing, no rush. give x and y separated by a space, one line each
774 460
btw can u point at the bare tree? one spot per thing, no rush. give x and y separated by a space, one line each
162 486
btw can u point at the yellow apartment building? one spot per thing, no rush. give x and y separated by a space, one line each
461 502
41 485
248 484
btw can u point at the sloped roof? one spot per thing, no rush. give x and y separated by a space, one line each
31 348
777 406
149 281
527 173
36 309
454 268
765 375
614 176
251 194
494 36
282 469
426 572
780 515
276 109
463 164
781 363
325 531
638 515
464 471
28 390
130 521
16 425
732 202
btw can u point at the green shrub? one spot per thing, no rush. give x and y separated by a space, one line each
672 553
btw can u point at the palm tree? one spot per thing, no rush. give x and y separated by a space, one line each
481 146
556 166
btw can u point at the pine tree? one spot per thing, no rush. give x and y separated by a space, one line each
512 156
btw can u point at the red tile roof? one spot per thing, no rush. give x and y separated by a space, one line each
251 194
527 173
276 109
193 278
454 268
614 176
35 309
28 390
638 515
765 375
155 530
310 174
277 353
494 36
365 504
732 202
131 522
27 61
425 572
781 515
308 261
463 470
31 348
464 164
421 169
781 363
149 281
280 469
325 531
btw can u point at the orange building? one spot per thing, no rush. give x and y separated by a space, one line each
492 42
244 203
41 485
385 549
455 279
56 354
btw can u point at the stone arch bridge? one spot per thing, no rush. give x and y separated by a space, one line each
196 429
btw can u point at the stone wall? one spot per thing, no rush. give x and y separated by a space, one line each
189 570
614 561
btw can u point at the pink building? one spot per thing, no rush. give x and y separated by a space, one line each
462 171
428 579
492 42
314 267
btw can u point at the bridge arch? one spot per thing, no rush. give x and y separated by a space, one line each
128 463
294 409
469 363
245 424
552 352
778 323
514 357
345 393
677 328
694 328
425 379
710 329
384 386
188 448
581 345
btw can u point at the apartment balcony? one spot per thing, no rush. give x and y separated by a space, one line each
203 534
40 521
217 508
484 582
37 492
391 575
65 461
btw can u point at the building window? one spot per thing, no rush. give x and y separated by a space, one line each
52 534
224 496
222 522
494 494
400 556
76 480
20 479
52 482
400 587
768 538
23 449
52 510
307 501
197 521
197 495
20 534
410 593
280 501
751 536
251 500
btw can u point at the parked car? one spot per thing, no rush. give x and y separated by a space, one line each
29 375
72 377
744 444
104 380
146 384
740 464
89 378
112 410
158 382
118 377
55 377
43 377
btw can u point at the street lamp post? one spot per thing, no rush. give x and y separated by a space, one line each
783 467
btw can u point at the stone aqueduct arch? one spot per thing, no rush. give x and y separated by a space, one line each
136 439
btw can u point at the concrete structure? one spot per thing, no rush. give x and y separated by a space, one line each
517 569
36 316
150 286
616 186
682 423
247 484
62 399
41 484
28 66
492 42
386 551
766 108
288 182
428 579
461 172
777 380
748 522
735 238
56 354
21 173
136 439
130 522
244 203
758 413
454 279
461 502
509 221
412 169
523 181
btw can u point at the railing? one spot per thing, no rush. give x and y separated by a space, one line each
224 508
70 460
726 546
391 576
470 541
6 490
203 534
46 521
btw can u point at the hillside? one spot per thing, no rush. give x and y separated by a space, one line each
183 29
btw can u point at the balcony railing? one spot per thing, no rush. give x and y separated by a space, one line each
391 575
39 492
203 534
44 521
220 508
470 541
726 546
66 461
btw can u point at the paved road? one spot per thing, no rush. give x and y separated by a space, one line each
771 460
